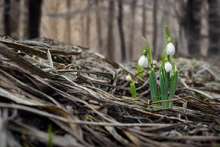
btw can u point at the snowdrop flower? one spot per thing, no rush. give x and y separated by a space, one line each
170 49
143 61
168 67
128 78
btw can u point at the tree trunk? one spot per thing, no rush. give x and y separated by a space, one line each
121 30
144 23
99 26
68 22
1 17
23 20
88 23
110 26
193 26
155 25
182 44
6 15
132 28
34 18
214 24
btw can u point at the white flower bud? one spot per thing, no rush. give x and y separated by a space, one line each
170 49
143 61
154 62
168 67
128 78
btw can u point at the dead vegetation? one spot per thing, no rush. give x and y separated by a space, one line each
85 101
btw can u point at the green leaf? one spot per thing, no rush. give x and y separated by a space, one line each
145 51
133 90
140 71
173 83
150 56
153 85
163 84
50 137
168 35
172 88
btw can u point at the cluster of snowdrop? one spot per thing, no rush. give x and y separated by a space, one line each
164 91
170 51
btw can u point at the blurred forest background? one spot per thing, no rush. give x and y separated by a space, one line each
117 28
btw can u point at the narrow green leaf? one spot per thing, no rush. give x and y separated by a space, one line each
50 137
173 83
153 85
150 56
163 84
133 90
140 72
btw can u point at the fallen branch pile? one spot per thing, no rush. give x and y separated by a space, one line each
85 101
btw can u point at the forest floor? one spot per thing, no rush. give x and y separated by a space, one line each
85 101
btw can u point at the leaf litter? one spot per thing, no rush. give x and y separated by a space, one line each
82 99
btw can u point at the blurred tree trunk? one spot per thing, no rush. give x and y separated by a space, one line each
110 26
20 18
34 18
121 30
6 17
14 18
144 23
88 23
23 20
155 25
193 26
1 17
68 22
182 42
99 25
11 14
132 28
214 24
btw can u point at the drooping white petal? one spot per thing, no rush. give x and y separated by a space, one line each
143 61
170 49
168 67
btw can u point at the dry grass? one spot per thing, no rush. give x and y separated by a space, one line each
86 101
